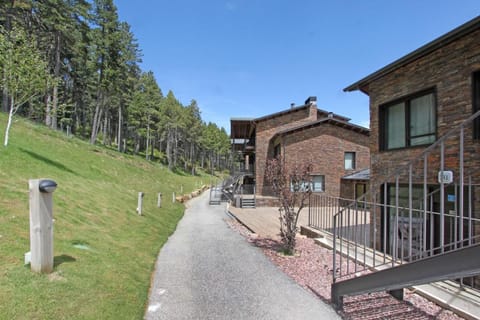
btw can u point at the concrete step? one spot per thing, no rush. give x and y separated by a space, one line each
247 203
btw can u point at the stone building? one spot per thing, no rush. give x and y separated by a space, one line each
336 148
424 144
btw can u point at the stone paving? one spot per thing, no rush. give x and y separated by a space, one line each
264 221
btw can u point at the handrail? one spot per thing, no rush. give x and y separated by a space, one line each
413 222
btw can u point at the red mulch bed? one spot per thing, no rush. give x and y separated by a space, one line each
312 269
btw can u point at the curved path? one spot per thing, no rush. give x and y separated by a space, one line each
208 271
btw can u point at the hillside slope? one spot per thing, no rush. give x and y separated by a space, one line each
104 252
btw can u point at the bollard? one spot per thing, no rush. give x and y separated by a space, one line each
159 200
41 224
173 197
140 203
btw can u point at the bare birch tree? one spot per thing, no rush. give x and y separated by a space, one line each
25 72
292 186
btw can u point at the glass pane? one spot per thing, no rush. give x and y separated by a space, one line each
422 119
396 126
400 226
318 183
422 140
349 160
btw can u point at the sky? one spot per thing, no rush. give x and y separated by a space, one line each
251 58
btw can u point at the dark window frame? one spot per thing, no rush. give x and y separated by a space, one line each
383 114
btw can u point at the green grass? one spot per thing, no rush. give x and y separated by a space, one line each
104 251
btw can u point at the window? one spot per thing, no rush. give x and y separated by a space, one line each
476 103
349 160
318 183
277 151
408 122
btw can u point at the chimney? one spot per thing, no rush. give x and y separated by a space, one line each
292 105
330 115
311 100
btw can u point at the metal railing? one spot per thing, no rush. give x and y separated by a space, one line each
419 209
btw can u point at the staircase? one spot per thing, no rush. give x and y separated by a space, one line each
450 265
247 202
418 225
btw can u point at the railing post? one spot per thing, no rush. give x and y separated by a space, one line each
442 199
425 202
385 217
395 232
410 215
334 248
462 182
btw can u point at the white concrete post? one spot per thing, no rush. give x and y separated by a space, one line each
159 200
41 224
173 197
140 203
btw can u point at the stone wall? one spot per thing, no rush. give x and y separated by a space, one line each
267 128
325 145
448 70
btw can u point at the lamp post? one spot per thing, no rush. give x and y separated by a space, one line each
41 224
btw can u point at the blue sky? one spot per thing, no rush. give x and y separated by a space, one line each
250 58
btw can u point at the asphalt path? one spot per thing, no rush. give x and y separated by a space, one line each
208 271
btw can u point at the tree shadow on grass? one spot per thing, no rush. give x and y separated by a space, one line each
47 161
58 260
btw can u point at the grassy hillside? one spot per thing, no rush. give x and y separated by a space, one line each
104 252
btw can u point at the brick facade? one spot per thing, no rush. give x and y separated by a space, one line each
447 69
305 133
325 146
268 127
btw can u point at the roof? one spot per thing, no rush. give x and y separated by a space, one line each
295 109
241 128
336 122
359 175
442 41
280 113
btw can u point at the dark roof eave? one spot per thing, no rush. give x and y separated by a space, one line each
280 113
453 35
333 121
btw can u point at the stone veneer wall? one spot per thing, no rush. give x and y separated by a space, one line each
267 128
449 71
325 145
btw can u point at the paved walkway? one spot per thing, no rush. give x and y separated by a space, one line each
208 271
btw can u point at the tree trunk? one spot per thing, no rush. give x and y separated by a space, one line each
96 118
9 123
169 148
119 130
147 156
104 131
56 73
192 158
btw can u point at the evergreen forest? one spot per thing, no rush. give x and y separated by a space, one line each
73 66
